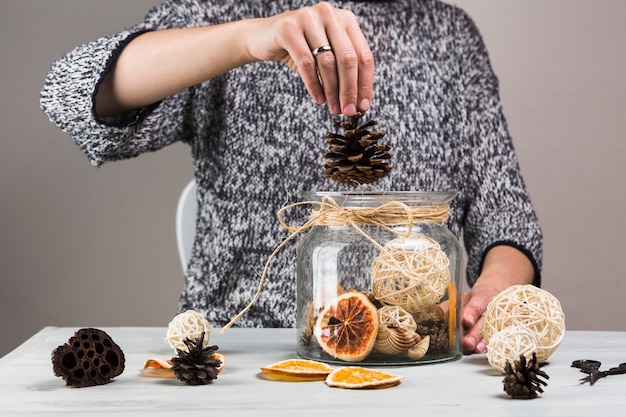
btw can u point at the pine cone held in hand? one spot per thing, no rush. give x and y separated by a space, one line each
356 157
522 380
196 366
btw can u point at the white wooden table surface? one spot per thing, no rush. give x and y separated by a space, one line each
468 387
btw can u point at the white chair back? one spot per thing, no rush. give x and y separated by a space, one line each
186 213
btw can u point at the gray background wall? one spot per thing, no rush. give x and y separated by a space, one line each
81 246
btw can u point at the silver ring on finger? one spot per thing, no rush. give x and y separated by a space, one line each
321 50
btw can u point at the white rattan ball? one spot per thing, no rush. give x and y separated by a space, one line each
411 273
508 344
532 308
396 316
187 325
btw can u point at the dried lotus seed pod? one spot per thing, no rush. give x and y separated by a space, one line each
88 358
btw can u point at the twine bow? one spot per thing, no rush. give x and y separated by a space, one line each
388 216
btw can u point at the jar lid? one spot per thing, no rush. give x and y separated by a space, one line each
377 198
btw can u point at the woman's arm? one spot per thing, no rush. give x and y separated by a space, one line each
501 231
158 64
503 267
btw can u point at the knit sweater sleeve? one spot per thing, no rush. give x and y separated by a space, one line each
499 209
72 82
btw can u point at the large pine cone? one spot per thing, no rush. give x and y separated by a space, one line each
88 358
197 366
522 379
356 157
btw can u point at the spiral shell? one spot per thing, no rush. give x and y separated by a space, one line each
419 350
395 340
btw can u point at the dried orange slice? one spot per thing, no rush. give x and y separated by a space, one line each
220 357
347 328
356 377
160 368
297 370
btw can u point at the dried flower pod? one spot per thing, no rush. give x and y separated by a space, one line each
89 358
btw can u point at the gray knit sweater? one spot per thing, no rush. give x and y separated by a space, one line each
256 140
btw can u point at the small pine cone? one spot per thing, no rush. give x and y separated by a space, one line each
522 379
356 157
307 333
197 366
432 322
439 340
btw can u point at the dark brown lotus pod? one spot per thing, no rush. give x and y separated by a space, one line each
88 358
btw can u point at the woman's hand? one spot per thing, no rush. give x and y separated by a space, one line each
475 303
342 77
161 63
504 266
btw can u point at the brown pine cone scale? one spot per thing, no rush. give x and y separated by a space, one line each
356 157
523 378
197 365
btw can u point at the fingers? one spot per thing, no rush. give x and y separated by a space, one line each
365 67
473 340
475 303
338 71
342 73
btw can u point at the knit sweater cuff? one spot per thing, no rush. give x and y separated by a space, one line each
524 250
128 119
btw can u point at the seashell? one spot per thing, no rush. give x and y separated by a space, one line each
395 340
419 350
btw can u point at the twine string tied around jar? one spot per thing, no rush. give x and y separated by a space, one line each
389 216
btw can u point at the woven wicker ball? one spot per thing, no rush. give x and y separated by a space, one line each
538 311
187 325
396 316
508 344
411 273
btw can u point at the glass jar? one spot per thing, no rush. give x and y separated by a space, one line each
379 279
